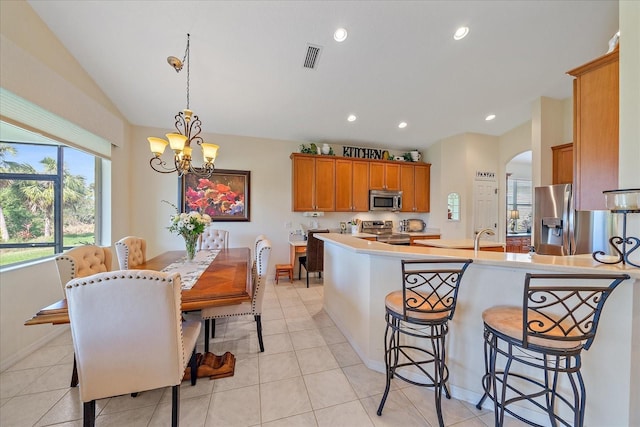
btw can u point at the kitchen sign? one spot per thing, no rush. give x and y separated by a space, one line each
363 153
371 153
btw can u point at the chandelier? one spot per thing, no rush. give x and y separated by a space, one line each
189 127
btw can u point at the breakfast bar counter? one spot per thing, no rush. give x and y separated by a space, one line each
485 245
358 274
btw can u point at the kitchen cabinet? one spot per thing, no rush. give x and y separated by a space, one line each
384 176
563 164
314 181
414 183
352 185
342 184
595 130
518 244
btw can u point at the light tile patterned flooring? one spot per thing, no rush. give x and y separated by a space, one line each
308 375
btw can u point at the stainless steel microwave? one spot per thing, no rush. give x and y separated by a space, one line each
380 200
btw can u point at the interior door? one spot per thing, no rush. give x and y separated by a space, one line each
485 207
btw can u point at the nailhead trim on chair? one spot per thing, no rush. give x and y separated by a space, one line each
126 254
119 275
72 261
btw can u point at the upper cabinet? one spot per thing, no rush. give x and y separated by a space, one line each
596 99
384 176
352 185
342 184
314 181
563 164
414 183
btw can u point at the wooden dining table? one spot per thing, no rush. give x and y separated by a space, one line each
226 281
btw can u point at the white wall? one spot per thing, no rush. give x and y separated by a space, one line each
455 161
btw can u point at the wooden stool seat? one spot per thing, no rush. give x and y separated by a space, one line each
284 270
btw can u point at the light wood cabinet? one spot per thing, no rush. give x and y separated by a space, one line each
414 183
423 187
563 164
352 185
384 176
342 184
596 122
518 244
314 181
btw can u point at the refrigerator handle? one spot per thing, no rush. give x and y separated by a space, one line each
571 248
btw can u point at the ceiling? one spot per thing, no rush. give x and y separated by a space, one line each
399 63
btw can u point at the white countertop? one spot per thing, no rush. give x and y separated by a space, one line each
458 243
575 263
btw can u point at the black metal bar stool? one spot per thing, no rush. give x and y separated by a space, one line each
549 332
422 310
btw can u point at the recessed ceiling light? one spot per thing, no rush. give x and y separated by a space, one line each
340 35
461 33
490 117
402 125
351 118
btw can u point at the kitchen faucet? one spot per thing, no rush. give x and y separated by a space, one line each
476 242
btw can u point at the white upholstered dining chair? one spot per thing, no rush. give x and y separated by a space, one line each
82 261
128 335
213 238
254 307
131 251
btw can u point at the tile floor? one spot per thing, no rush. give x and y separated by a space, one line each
308 375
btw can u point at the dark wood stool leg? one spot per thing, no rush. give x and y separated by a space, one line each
259 327
74 373
89 414
175 405
206 335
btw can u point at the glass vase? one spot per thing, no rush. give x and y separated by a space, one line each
190 242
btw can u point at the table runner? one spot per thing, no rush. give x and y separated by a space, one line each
190 272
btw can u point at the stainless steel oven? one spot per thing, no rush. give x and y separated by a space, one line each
380 200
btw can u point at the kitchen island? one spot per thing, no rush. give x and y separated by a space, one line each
485 245
358 274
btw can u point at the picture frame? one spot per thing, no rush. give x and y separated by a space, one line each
224 196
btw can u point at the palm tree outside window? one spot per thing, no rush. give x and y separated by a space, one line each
47 200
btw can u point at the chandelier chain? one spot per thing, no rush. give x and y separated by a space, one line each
186 57
187 125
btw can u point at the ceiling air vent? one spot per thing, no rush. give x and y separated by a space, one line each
312 55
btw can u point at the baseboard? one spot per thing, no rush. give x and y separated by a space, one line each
10 361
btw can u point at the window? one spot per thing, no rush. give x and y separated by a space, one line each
453 207
519 205
47 200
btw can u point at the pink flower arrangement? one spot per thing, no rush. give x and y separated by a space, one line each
215 199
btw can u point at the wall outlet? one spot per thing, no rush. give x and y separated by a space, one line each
287 224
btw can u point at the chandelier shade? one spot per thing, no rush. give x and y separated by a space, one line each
188 127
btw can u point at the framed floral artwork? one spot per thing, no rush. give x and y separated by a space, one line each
224 196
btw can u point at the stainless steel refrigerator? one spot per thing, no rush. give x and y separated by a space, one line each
560 230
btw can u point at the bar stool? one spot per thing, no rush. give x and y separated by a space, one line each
547 333
285 270
422 310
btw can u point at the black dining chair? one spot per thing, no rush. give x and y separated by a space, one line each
313 261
